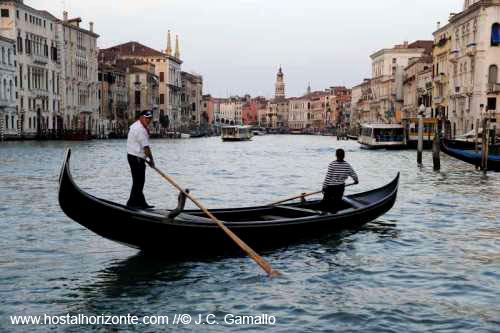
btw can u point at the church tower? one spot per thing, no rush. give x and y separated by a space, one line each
280 85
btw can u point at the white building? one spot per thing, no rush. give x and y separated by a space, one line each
80 85
8 112
38 65
474 62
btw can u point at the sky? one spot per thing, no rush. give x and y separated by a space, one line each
238 45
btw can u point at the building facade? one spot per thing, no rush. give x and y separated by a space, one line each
191 100
387 79
8 111
80 85
167 69
38 65
113 101
474 59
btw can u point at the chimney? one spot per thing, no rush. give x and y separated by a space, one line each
133 47
65 16
438 25
91 26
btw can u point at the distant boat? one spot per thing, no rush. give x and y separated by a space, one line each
471 156
236 133
258 131
377 136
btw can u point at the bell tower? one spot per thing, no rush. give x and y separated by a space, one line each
280 85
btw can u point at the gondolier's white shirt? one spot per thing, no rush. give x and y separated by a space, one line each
137 139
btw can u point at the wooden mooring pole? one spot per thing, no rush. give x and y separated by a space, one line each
420 146
485 146
436 148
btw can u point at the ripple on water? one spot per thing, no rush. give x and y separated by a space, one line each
430 264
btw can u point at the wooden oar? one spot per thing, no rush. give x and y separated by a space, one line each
251 253
303 195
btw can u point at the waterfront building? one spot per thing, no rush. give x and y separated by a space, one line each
441 69
387 79
80 85
317 110
299 117
143 92
231 109
207 108
8 110
250 110
167 69
113 101
474 58
338 99
360 104
417 88
38 64
191 97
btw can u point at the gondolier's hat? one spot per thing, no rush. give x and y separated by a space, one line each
147 114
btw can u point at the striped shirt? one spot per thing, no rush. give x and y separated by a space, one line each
338 171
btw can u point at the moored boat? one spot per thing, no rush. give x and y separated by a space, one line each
471 156
192 232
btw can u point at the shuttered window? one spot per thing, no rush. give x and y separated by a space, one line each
495 34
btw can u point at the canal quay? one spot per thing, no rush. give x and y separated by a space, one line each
430 264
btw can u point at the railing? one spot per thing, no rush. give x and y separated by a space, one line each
493 88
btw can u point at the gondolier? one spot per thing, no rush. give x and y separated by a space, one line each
334 184
138 151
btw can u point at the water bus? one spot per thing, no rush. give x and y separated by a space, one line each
378 136
236 133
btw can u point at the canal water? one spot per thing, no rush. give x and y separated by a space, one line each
431 264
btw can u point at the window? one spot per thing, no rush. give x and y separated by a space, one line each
26 17
495 34
162 98
137 98
17 14
162 76
4 13
492 103
7 121
493 74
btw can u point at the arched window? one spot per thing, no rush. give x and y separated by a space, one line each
493 74
495 34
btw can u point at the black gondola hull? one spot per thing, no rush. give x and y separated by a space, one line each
470 156
191 232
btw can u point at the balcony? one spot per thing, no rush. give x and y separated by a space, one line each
86 109
471 50
39 60
40 93
438 99
493 88
453 56
440 78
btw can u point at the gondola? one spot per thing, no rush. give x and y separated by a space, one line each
470 156
192 232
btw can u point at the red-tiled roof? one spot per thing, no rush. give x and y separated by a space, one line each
133 49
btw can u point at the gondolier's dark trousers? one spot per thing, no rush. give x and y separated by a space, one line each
138 169
332 198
